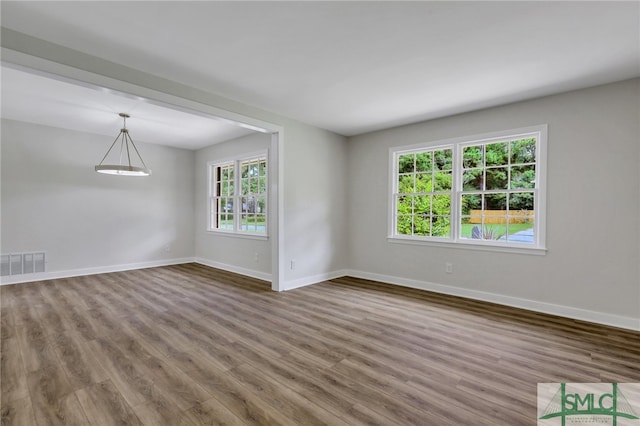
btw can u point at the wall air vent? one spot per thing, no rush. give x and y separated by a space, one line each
22 263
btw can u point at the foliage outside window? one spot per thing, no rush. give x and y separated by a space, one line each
482 190
423 199
238 195
498 190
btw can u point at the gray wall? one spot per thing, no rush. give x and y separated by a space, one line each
53 201
229 251
593 233
315 211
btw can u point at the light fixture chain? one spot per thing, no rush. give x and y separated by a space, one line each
109 150
122 141
127 139
139 156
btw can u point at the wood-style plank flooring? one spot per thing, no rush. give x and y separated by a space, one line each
191 345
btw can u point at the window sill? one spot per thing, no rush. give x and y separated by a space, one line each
233 234
538 251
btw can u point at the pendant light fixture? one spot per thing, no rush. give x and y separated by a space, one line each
126 169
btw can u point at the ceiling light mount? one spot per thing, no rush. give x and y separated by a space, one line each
123 169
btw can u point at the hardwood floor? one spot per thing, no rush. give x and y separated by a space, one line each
191 345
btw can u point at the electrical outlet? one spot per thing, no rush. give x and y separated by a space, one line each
167 248
448 267
293 264
256 257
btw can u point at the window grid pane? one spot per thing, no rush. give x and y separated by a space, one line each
239 190
253 195
222 187
422 202
493 205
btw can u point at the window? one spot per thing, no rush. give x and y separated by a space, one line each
423 198
484 190
238 195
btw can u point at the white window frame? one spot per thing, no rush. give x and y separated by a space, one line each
457 144
433 192
212 195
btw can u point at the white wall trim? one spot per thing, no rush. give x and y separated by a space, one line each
532 305
313 279
629 323
25 278
42 276
265 276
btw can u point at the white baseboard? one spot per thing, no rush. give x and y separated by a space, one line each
629 323
533 305
288 285
313 279
265 276
41 276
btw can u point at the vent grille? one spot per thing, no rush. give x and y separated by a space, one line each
22 263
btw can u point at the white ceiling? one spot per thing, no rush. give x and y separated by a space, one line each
41 99
353 67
